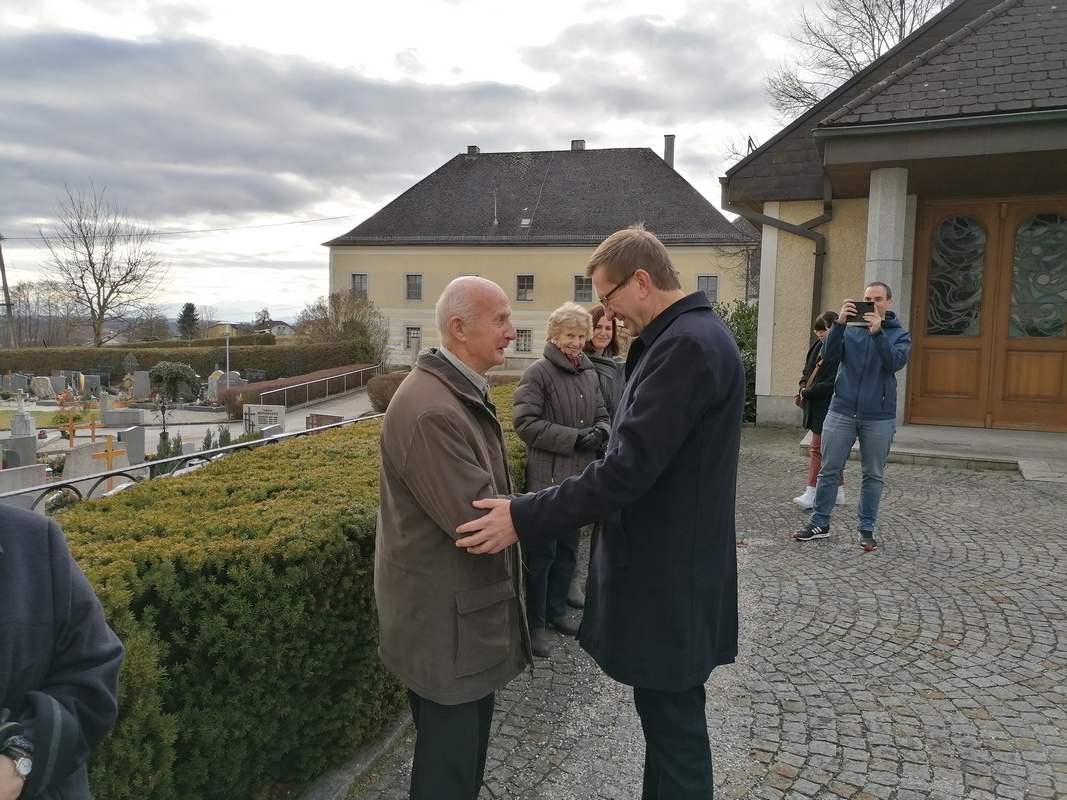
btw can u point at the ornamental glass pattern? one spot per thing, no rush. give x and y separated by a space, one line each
1039 278
957 259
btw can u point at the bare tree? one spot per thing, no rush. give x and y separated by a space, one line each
208 315
103 259
150 325
44 314
836 41
344 316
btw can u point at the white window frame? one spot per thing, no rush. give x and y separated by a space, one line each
714 279
523 340
524 295
409 338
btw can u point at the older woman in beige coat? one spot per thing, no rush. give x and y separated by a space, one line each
559 414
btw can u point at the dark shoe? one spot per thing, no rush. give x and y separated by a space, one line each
575 595
812 531
564 625
539 642
867 541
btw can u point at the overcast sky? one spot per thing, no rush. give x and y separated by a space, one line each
200 115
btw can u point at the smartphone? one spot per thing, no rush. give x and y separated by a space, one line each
862 307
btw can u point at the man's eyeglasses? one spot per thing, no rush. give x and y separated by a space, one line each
607 298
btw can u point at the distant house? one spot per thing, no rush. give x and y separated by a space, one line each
940 170
220 330
278 328
529 221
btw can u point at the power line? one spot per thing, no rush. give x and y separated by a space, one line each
202 230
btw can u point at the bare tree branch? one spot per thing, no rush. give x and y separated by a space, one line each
105 261
835 42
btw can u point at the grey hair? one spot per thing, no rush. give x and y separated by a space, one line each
461 298
568 315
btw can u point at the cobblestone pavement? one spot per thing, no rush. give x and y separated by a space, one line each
934 667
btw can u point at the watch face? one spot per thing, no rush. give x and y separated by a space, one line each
23 766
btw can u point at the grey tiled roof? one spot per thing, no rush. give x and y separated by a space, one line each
1011 59
568 197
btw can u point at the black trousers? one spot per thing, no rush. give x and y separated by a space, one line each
677 747
451 743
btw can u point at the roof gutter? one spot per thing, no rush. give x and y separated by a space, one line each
804 229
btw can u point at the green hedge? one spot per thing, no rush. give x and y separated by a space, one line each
244 595
215 341
279 361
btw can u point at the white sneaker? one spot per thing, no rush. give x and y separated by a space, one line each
840 496
806 500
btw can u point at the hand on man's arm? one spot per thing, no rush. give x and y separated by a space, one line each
491 533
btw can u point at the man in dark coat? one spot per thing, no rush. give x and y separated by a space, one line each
59 663
661 606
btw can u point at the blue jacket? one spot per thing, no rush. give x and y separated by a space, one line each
866 385
59 660
661 604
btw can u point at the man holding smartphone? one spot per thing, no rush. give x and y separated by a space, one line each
873 346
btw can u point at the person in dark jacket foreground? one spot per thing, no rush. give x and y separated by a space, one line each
661 606
871 349
59 663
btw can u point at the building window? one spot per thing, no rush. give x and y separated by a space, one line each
583 289
412 337
709 285
523 341
524 287
413 284
359 285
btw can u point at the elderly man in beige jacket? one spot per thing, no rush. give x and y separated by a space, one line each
452 625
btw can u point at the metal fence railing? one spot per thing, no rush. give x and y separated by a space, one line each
303 393
100 483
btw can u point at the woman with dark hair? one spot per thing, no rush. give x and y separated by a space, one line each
814 398
603 350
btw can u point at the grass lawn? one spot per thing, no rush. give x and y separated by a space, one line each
43 418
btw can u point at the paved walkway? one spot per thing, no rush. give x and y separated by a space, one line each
934 667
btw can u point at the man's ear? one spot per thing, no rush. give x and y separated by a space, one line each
457 328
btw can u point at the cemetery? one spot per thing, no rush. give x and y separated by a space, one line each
70 426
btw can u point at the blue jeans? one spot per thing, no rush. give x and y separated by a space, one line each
839 433
551 569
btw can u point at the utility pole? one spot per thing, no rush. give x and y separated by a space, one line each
7 297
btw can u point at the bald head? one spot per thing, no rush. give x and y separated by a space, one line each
464 298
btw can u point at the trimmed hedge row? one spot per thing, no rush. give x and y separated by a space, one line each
214 341
278 361
244 595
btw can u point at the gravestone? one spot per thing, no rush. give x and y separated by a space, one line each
59 383
213 386
188 448
132 439
23 424
90 384
41 386
256 417
9 459
80 461
268 431
142 385
116 417
105 403
312 421
21 478
16 382
24 447
231 380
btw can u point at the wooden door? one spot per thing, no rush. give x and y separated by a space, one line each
989 328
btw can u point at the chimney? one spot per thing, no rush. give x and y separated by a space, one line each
668 149
577 144
472 150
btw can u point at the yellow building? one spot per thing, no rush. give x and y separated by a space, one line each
940 170
529 222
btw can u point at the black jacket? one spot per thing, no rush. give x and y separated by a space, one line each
59 660
817 397
661 604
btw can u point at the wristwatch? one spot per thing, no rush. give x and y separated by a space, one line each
23 761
